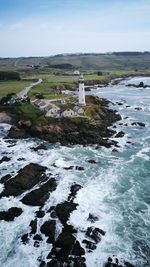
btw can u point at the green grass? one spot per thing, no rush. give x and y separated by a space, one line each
29 112
8 87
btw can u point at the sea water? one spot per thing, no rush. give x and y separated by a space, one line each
116 189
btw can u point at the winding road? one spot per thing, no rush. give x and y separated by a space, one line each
25 91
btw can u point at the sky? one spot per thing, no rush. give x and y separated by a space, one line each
49 27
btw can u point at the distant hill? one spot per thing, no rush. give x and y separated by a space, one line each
88 61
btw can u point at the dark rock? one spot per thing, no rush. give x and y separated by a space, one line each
26 178
68 168
4 159
89 245
48 228
21 159
54 263
92 161
65 241
37 237
120 134
38 196
115 150
138 124
92 218
40 147
36 244
10 214
95 233
109 259
33 225
77 249
138 108
79 168
40 214
64 209
25 239
42 264
74 189
5 178
17 133
128 264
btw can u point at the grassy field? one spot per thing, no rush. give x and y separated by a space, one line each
8 87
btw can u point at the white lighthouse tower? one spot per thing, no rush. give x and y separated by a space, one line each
81 91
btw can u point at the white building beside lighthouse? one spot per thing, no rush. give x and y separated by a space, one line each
81 91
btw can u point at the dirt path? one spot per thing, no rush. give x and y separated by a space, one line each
26 90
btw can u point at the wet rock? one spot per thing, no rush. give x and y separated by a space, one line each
138 108
114 150
49 228
74 189
5 178
21 159
17 133
26 178
68 168
92 218
138 124
10 214
38 196
92 161
33 225
42 264
79 168
54 263
40 214
95 233
36 244
120 134
128 264
40 147
66 242
25 239
77 249
37 237
89 245
4 159
64 209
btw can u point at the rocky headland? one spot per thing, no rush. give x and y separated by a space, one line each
89 129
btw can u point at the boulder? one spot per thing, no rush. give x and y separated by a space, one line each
138 124
38 196
25 239
49 228
120 134
63 211
33 225
26 178
4 159
5 178
10 214
95 233
40 214
89 245
92 218
73 191
39 147
92 161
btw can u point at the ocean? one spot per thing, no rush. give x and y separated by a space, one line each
116 189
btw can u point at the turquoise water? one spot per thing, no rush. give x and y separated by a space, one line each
116 189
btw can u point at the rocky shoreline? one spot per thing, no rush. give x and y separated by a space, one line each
34 187
66 130
66 250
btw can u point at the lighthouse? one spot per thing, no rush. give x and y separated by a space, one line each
81 91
